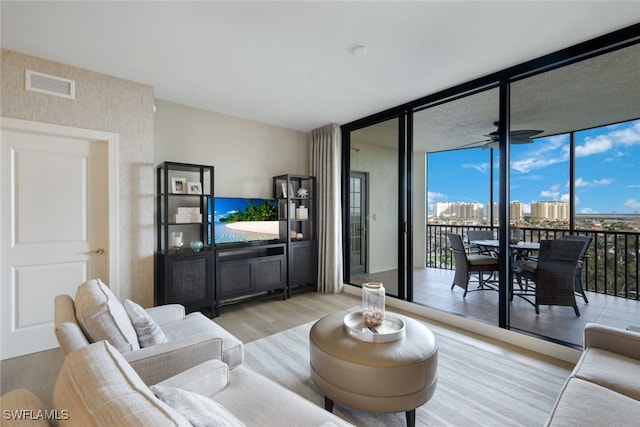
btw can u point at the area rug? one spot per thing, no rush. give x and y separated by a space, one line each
476 387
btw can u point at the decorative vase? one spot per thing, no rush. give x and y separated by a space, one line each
372 304
196 245
176 239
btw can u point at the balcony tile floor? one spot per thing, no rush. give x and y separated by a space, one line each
432 288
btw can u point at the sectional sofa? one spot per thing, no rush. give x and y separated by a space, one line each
98 387
604 387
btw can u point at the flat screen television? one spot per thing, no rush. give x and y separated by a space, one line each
244 220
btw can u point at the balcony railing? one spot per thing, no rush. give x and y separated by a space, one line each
611 266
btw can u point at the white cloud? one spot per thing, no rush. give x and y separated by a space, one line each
597 145
632 203
480 167
540 155
555 149
580 182
603 181
616 138
536 161
433 197
628 136
553 195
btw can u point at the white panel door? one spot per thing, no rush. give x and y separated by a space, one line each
54 229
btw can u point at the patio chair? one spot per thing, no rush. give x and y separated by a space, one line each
479 235
468 264
553 274
583 254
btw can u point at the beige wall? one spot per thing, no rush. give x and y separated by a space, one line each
246 154
112 105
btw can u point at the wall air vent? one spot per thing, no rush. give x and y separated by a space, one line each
52 85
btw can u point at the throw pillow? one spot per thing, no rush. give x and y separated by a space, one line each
200 411
102 317
147 330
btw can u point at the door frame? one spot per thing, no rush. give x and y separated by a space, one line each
112 140
404 226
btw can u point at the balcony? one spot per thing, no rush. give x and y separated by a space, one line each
610 278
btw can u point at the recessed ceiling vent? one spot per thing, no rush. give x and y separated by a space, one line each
52 85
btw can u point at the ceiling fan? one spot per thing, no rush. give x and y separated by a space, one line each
523 136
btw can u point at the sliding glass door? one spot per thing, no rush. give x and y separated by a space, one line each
452 155
376 213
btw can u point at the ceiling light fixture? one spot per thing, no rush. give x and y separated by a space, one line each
359 51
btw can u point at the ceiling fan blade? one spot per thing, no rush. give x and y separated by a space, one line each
525 133
520 140
473 143
491 144
517 136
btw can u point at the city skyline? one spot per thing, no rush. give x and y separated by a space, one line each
607 175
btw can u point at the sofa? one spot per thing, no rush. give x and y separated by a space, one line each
98 387
158 342
604 387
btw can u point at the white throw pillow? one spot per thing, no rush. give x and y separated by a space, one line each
102 317
200 411
148 331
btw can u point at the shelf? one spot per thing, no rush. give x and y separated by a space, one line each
302 263
183 275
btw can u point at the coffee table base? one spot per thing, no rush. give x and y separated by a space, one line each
411 415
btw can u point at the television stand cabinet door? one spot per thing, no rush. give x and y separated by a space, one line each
250 271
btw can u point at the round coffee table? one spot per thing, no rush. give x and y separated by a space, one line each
396 376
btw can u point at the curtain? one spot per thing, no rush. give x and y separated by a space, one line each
325 166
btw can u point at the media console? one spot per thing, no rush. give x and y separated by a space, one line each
193 267
250 271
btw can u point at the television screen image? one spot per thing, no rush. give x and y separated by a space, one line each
238 220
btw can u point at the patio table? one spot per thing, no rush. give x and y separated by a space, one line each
519 250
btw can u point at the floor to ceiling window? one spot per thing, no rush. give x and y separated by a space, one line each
575 175
571 167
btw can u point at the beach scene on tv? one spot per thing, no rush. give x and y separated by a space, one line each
239 220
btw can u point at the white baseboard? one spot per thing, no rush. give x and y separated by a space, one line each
536 345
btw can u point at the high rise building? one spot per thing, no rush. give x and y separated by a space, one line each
461 210
516 211
550 210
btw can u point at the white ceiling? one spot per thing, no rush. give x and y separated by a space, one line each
290 63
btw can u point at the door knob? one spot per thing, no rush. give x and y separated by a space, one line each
98 251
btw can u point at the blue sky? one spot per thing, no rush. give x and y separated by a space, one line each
228 205
607 176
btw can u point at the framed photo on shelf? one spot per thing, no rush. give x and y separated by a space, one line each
284 190
178 185
194 188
